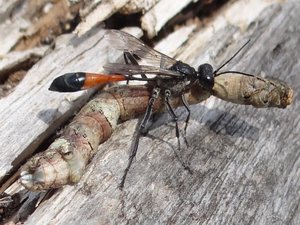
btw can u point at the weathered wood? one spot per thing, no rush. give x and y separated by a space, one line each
44 111
11 30
33 21
245 161
102 11
14 60
160 14
157 13
135 6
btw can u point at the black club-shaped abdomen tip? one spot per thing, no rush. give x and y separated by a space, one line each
69 82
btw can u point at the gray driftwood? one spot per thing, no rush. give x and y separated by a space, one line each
96 14
160 14
32 103
245 161
13 60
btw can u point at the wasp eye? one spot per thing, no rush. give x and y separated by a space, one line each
206 76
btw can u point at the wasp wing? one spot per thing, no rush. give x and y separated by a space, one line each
127 43
129 69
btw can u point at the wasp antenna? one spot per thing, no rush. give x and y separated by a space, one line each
237 72
234 55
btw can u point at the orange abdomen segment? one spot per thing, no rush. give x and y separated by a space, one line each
94 79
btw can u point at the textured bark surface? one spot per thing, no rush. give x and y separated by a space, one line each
245 161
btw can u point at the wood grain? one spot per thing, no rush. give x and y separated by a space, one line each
31 112
245 161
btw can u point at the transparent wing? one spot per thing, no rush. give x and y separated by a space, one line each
129 69
127 43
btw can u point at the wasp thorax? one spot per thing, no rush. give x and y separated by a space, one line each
184 68
206 75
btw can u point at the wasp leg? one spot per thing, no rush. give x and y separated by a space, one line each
187 107
175 119
143 124
145 131
129 57
172 114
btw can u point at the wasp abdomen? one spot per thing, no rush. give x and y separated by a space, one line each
69 82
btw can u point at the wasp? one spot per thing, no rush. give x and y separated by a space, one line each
169 83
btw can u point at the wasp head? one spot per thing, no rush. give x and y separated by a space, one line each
206 76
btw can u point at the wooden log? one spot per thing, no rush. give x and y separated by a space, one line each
102 11
11 30
135 6
44 111
160 14
31 22
14 60
245 161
